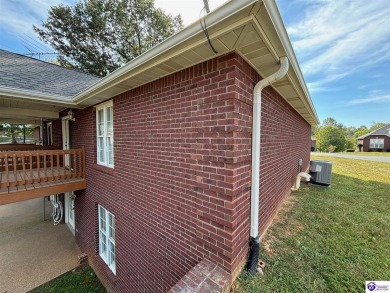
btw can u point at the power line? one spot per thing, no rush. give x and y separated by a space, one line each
39 54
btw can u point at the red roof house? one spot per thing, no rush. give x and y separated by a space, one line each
376 141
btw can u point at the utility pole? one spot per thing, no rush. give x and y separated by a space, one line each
206 5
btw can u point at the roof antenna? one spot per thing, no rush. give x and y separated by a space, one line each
206 5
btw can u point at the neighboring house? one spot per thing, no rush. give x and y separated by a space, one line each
160 149
376 141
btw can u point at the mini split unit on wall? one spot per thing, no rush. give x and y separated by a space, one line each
320 172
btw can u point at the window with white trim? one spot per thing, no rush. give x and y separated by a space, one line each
105 134
107 237
377 143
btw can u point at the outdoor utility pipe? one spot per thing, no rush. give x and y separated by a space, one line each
298 180
254 242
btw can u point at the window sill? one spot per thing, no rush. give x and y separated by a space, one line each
104 169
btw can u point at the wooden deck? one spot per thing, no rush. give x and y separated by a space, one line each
31 174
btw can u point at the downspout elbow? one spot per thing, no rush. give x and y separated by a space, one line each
302 175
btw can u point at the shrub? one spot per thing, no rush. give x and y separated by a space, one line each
331 148
350 150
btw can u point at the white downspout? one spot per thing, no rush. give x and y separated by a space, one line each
256 127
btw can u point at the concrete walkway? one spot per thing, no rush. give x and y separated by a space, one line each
357 157
32 252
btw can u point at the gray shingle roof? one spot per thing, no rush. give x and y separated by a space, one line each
25 73
385 130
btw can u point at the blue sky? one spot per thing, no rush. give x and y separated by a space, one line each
343 48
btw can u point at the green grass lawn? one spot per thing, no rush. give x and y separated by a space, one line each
329 240
82 280
375 154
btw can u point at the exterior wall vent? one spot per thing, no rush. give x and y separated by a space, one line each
321 172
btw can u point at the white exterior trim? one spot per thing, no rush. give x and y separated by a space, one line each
103 107
109 242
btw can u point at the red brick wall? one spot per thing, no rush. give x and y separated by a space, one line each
180 189
285 138
57 132
366 143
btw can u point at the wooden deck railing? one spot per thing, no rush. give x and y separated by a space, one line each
18 168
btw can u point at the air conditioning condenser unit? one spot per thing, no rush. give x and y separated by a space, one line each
320 172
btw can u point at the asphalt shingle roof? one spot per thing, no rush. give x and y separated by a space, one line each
385 130
25 73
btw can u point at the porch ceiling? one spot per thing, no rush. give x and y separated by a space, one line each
14 110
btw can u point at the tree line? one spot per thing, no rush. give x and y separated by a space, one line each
332 136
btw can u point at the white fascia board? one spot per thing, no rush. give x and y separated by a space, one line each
214 17
29 113
278 24
37 97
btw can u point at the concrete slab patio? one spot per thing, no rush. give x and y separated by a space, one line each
32 252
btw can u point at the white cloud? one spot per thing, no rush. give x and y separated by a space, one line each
370 99
17 18
337 38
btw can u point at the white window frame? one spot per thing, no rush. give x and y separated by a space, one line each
105 135
377 143
107 237
49 133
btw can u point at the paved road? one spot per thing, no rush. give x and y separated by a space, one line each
32 252
357 157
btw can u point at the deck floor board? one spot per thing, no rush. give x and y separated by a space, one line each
50 179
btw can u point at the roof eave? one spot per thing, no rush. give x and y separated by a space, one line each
29 95
214 17
277 21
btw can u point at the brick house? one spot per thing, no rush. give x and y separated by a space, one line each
163 148
376 141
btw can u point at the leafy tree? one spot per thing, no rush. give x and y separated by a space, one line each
99 36
361 131
332 122
12 131
330 136
377 125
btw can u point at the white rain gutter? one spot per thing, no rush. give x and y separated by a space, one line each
256 130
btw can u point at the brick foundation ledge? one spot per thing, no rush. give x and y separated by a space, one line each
205 277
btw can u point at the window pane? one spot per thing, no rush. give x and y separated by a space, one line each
103 226
109 121
100 115
101 149
103 245
111 228
112 254
110 150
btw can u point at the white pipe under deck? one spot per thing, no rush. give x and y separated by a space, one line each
282 71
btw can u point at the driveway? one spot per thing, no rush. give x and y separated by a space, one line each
357 157
32 252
